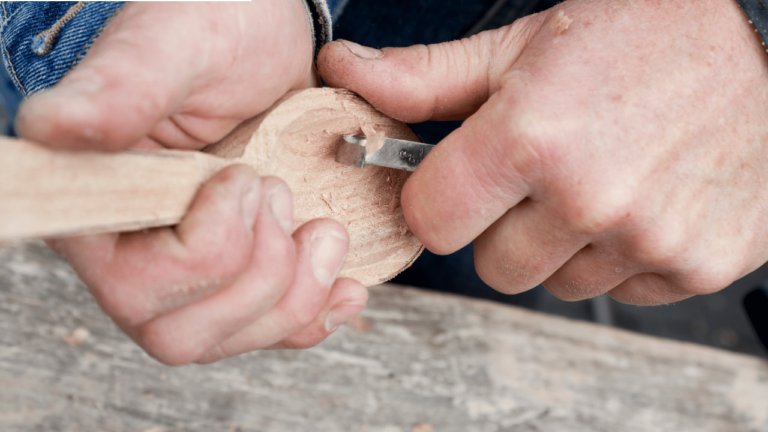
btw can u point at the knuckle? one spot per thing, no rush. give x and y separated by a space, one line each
218 260
499 272
122 303
162 346
301 316
664 246
708 279
592 212
573 288
302 342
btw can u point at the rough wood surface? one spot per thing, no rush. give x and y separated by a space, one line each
47 193
419 361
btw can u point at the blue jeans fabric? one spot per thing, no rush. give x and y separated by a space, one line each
25 71
23 21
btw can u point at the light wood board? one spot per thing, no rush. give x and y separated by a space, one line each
427 362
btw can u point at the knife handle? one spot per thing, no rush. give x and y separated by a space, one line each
48 193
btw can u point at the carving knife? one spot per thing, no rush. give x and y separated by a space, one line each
359 151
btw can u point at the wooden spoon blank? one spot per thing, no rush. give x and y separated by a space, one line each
45 193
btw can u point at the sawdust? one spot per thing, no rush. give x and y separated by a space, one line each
423 427
360 324
374 140
560 23
78 336
394 204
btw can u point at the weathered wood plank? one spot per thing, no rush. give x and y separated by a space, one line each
428 359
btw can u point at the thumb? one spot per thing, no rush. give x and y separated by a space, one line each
447 81
130 80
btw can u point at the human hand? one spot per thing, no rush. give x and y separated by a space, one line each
609 146
230 277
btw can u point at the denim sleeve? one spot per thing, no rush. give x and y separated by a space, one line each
757 11
41 41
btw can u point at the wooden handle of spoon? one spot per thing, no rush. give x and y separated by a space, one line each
47 193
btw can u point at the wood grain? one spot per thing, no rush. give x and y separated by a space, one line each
421 360
44 193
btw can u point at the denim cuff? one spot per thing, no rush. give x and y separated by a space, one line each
757 11
319 23
42 41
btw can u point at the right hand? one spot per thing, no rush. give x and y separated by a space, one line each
230 277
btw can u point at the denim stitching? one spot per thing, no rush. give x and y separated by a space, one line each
13 71
42 43
90 41
5 12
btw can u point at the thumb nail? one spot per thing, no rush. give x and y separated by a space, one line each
362 51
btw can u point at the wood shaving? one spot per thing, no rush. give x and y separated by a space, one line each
358 323
394 203
374 140
78 336
560 22
423 427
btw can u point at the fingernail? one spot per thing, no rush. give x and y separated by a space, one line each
362 51
328 249
281 204
249 203
341 314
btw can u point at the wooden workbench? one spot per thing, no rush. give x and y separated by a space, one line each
426 362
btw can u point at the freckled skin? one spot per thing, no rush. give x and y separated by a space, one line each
621 153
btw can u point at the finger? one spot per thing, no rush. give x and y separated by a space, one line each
588 274
469 180
120 90
647 289
524 248
321 250
347 299
427 82
183 335
137 276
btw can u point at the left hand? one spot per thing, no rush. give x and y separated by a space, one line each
621 152
232 276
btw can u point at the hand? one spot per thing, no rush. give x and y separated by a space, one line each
609 146
230 277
